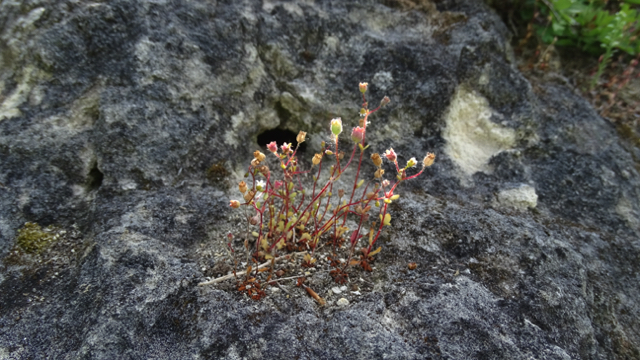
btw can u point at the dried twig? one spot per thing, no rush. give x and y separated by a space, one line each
314 295
231 276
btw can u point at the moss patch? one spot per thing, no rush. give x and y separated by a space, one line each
33 239
51 249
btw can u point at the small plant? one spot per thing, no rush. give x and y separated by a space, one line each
287 218
599 27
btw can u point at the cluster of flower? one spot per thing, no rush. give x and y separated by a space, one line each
288 216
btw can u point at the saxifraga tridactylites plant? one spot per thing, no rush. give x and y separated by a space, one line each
284 217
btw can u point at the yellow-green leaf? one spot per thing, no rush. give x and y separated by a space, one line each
387 220
376 250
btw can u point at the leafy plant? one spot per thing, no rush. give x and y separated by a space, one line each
286 218
596 26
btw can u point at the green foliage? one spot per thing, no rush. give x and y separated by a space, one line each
596 26
590 25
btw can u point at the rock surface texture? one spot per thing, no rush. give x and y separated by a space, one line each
125 125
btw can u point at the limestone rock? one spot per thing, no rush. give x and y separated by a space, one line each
129 123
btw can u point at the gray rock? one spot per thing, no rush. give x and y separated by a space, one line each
126 125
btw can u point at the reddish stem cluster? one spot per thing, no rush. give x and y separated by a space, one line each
285 214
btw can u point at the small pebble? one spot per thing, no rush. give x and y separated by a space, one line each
336 290
342 302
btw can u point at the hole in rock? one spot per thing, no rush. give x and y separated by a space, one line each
280 136
95 177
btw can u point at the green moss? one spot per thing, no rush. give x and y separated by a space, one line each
33 239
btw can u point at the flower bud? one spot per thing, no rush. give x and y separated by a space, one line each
370 195
385 183
301 137
336 126
316 159
363 87
428 160
328 152
391 155
377 160
255 162
258 155
412 162
341 155
242 187
249 195
357 134
255 219
273 147
264 170
385 100
378 174
341 193
234 204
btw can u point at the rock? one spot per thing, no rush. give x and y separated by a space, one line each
128 124
519 197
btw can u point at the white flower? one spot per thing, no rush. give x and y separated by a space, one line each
261 185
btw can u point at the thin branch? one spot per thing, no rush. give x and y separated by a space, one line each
231 276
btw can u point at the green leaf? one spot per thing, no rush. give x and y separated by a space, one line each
560 5
558 27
